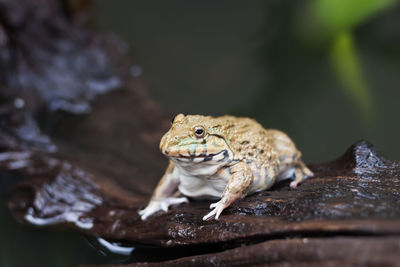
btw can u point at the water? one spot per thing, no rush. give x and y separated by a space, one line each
24 246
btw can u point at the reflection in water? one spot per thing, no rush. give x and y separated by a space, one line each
115 247
71 216
22 246
65 199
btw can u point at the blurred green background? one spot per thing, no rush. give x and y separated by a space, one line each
327 72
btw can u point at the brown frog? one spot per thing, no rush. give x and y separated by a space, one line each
222 158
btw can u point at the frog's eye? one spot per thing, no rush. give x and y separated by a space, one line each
199 131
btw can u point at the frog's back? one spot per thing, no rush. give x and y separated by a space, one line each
284 146
270 153
248 138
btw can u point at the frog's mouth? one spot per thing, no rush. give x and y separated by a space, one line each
220 156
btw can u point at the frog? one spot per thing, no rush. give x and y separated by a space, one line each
222 159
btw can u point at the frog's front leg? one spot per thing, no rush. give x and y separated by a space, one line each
241 179
162 196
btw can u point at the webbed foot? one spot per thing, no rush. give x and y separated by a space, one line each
156 205
300 174
217 207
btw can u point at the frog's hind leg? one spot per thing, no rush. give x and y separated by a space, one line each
301 172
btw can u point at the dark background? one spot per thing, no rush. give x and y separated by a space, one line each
265 59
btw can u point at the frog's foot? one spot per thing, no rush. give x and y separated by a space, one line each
217 207
156 205
300 174
294 184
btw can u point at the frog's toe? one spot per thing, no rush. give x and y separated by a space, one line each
210 214
144 214
219 210
152 208
177 200
294 184
164 206
217 207
213 205
300 174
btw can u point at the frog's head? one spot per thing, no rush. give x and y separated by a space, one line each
194 138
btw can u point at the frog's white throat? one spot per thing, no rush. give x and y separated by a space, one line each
202 165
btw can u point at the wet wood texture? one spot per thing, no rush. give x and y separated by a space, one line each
335 251
349 200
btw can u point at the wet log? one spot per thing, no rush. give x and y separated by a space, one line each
335 251
356 195
50 63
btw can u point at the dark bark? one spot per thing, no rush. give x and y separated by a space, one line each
355 196
335 251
